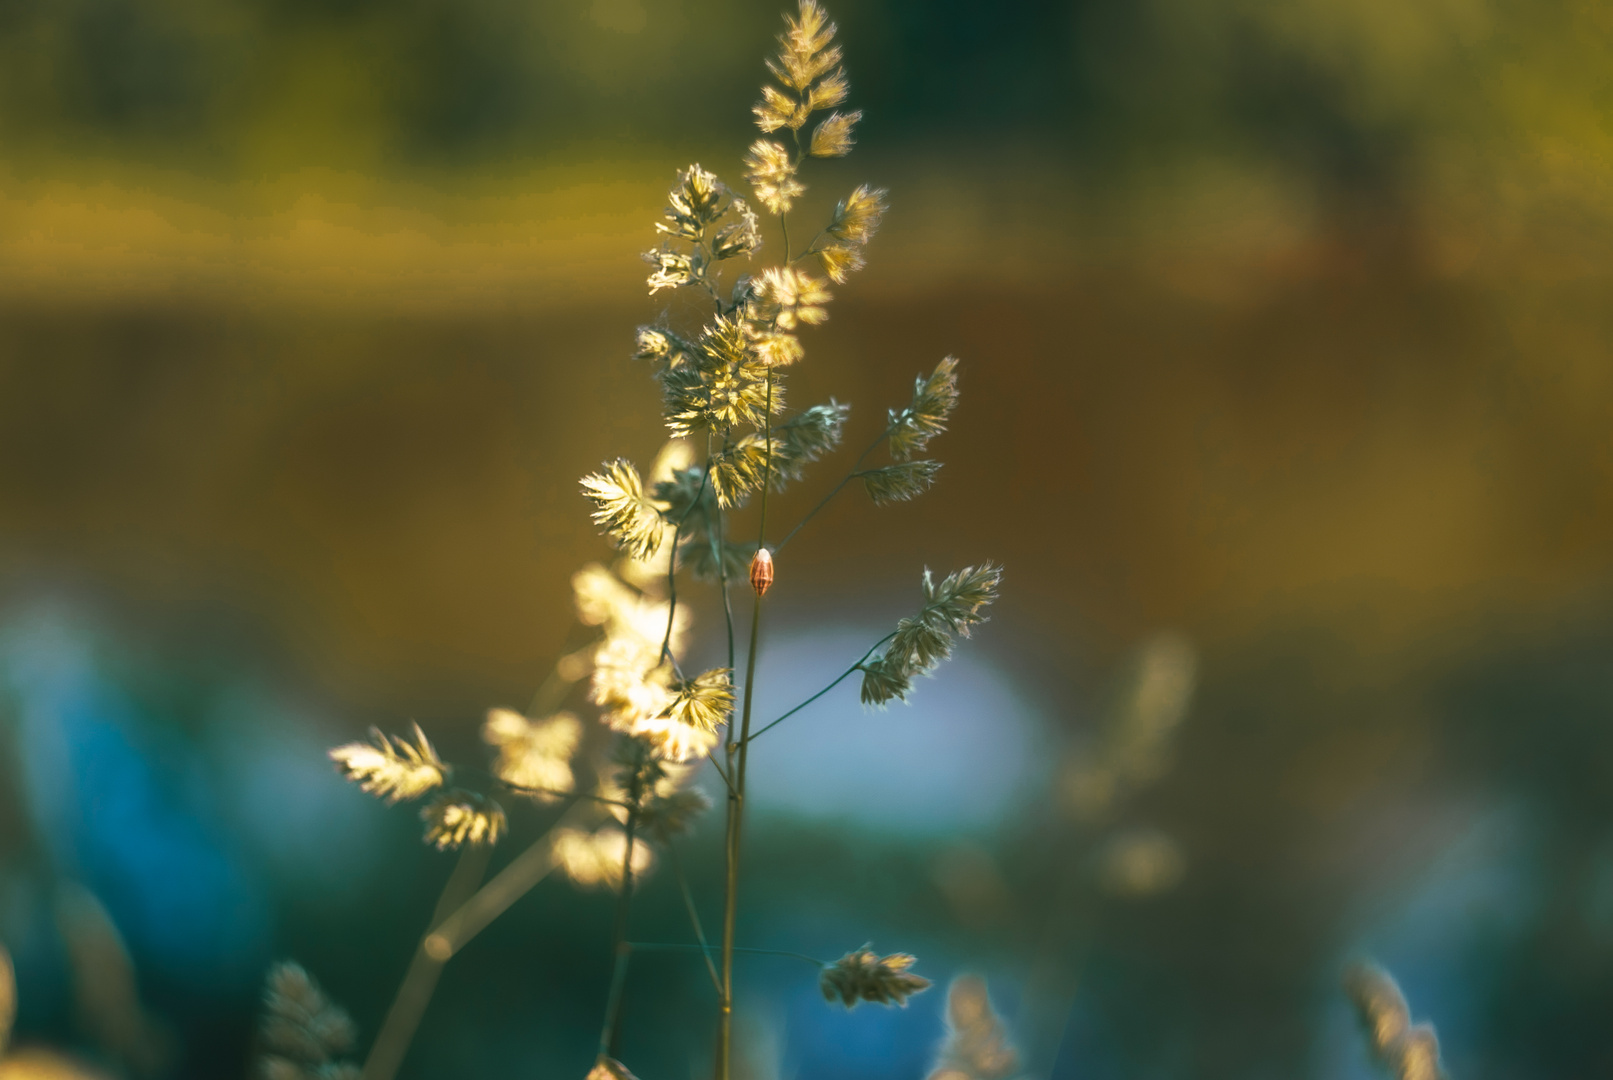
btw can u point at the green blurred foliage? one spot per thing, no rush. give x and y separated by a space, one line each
1356 91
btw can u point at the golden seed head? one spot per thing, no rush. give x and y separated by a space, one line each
458 818
392 768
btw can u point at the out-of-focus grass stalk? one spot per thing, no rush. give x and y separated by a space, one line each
462 912
1050 987
414 994
494 898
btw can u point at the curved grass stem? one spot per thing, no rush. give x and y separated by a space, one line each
844 480
494 898
420 981
837 681
694 914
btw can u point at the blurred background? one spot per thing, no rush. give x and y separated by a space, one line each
1287 406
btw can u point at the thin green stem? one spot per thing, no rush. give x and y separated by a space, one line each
838 680
737 769
812 248
719 552
706 262
694 913
725 993
728 783
672 561
856 465
672 594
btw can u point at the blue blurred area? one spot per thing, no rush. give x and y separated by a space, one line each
318 838
966 755
868 1043
125 804
1441 932
213 829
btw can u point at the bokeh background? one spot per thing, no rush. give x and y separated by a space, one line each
1288 407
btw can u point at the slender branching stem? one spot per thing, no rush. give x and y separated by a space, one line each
855 467
725 983
838 680
672 595
706 263
672 563
737 769
672 946
494 898
719 551
414 993
694 913
725 994
812 248
727 782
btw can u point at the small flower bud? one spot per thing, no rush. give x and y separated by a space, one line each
761 571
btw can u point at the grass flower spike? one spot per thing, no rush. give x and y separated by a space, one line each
392 768
304 1033
786 297
771 173
592 859
900 482
1406 1051
923 641
674 813
533 755
458 818
805 53
832 137
698 200
934 397
703 701
842 247
864 975
630 518
976 1046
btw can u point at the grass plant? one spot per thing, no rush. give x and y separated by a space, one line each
625 780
